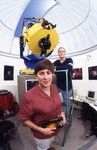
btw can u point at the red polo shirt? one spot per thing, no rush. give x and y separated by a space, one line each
38 106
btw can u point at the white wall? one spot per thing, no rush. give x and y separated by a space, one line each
85 61
12 84
82 61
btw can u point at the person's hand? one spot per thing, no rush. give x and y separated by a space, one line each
55 69
47 131
63 122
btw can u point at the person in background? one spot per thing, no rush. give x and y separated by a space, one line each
41 103
46 24
62 64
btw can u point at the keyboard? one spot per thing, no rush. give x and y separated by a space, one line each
90 98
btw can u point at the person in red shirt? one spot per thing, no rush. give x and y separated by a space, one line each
42 103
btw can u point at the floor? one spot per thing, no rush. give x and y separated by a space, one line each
22 139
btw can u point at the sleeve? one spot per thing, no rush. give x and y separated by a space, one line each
26 109
55 63
70 64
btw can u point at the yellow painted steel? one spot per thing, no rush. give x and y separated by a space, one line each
26 71
34 34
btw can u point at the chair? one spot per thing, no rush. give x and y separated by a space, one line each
6 128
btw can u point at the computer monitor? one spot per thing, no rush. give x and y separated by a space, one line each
91 94
29 83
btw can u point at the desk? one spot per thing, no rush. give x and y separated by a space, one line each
93 106
92 103
89 111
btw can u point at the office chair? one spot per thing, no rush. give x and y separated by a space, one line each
6 128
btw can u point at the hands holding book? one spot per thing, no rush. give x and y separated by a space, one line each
56 122
49 126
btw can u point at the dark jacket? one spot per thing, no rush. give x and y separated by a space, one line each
61 76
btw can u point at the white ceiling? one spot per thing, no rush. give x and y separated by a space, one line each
76 23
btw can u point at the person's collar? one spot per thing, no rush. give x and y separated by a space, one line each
62 60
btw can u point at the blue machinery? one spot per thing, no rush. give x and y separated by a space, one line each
37 41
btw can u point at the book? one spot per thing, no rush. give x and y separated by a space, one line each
52 123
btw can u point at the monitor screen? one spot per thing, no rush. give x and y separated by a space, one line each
91 94
30 83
